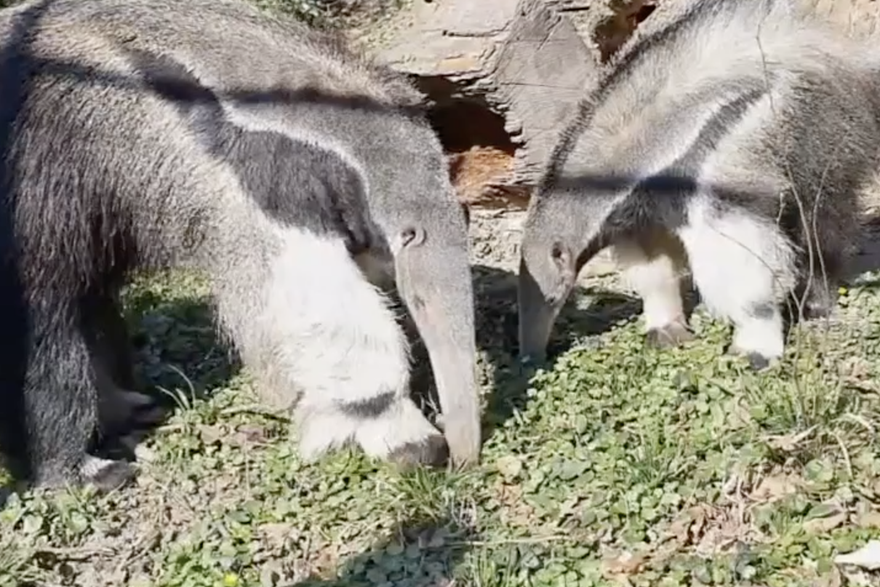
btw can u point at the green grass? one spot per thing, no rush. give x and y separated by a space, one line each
327 15
621 462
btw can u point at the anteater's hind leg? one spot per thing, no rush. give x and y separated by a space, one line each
744 268
60 406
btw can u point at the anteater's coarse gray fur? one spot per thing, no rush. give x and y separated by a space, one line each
143 134
734 139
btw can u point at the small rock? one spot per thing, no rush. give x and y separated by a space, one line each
144 454
510 466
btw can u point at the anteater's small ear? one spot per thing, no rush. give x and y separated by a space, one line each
411 236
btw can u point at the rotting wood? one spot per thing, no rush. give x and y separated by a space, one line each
858 18
523 61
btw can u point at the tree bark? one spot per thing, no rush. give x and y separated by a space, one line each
522 61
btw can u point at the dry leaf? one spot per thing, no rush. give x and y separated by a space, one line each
625 564
773 488
248 435
826 524
678 530
832 578
515 510
869 520
144 454
276 535
789 442
210 435
867 557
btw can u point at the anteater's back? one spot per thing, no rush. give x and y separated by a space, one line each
228 43
90 112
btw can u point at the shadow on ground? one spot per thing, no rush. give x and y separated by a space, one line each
588 312
177 349
420 554
177 346
868 258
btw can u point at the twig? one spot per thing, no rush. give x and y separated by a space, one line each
78 554
255 410
534 540
845 452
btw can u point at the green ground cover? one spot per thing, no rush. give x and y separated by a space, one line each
620 463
